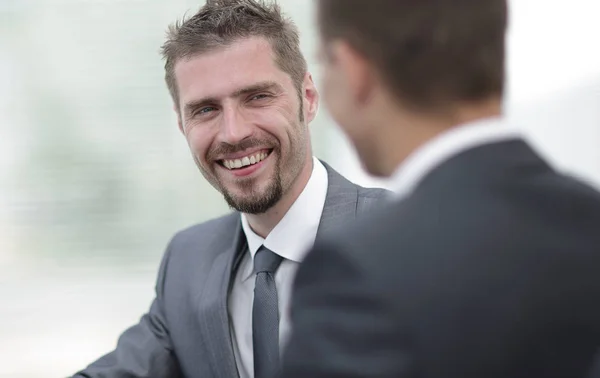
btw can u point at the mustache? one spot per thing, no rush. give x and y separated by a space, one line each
226 148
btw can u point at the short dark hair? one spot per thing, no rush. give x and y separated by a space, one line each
432 53
221 22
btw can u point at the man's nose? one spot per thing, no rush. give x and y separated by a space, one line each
234 127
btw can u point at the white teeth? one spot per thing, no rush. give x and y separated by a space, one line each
245 161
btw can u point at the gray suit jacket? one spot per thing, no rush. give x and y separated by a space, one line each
186 331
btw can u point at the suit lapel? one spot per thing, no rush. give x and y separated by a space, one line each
341 201
213 313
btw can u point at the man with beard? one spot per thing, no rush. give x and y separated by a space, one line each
243 99
487 264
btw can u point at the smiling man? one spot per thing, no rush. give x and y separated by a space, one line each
244 100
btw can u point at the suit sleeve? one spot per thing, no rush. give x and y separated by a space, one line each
342 326
144 350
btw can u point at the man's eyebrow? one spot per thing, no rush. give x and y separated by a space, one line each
258 87
254 88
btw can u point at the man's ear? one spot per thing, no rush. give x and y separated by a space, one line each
357 70
311 97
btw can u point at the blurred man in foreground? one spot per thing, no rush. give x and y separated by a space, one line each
488 263
244 99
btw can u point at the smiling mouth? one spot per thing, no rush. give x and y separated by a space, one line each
246 161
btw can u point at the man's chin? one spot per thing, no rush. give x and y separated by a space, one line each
250 206
255 202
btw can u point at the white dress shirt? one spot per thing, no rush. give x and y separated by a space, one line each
291 239
446 145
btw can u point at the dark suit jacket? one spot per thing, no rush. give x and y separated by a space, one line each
490 268
186 332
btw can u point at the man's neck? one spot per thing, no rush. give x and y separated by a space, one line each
416 130
263 224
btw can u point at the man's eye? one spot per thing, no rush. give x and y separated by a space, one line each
259 96
205 110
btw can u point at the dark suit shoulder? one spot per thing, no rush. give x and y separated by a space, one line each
548 216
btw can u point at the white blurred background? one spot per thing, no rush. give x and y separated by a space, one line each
95 178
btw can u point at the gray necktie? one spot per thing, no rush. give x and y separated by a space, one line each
265 314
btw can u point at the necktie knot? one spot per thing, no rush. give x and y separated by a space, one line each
266 260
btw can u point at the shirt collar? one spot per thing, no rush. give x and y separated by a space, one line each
293 236
452 142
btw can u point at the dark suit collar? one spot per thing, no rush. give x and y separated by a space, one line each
445 146
485 163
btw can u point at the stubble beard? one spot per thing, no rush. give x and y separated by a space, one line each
255 202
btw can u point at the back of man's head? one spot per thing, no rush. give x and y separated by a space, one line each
431 53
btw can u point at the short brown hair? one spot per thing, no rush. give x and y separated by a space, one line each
221 22
432 53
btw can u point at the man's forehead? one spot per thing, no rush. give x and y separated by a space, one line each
249 53
224 71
